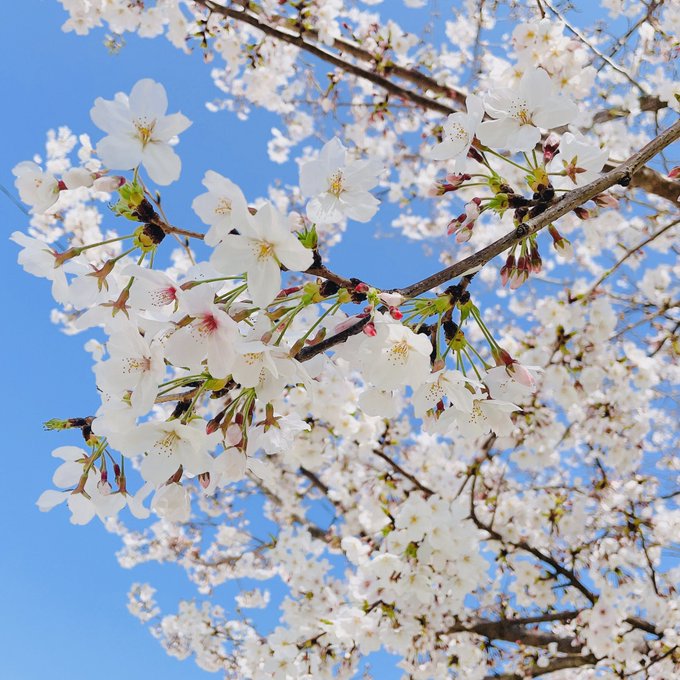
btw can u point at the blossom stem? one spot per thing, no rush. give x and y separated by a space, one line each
482 326
460 365
289 320
192 405
103 243
479 356
177 382
507 160
333 308
229 297
472 363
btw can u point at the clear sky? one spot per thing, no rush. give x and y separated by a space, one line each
62 592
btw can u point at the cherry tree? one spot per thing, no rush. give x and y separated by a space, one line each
474 471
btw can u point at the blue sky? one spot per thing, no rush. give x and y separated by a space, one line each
63 594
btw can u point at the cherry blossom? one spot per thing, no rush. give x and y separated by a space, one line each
580 161
223 207
339 187
134 365
458 133
37 188
209 335
262 245
167 446
396 356
139 132
37 258
519 114
452 385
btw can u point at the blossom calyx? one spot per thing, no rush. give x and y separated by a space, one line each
148 236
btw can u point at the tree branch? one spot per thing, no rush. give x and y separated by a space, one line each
649 180
299 40
557 664
307 353
515 632
621 174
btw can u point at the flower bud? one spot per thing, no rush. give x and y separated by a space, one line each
108 183
517 278
369 329
288 291
391 299
550 147
507 269
564 248
520 374
463 224
348 323
475 155
606 201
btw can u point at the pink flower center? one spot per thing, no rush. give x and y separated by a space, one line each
208 324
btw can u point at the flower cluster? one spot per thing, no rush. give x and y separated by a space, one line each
476 478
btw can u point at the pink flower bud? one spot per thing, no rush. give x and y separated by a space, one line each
675 172
464 223
606 201
452 182
505 274
348 323
108 183
456 179
507 269
517 278
564 248
521 375
582 213
391 299
369 329
396 314
288 291
550 147
361 288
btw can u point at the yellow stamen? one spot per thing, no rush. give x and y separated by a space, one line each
335 185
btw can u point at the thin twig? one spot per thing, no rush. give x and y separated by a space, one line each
628 254
592 48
